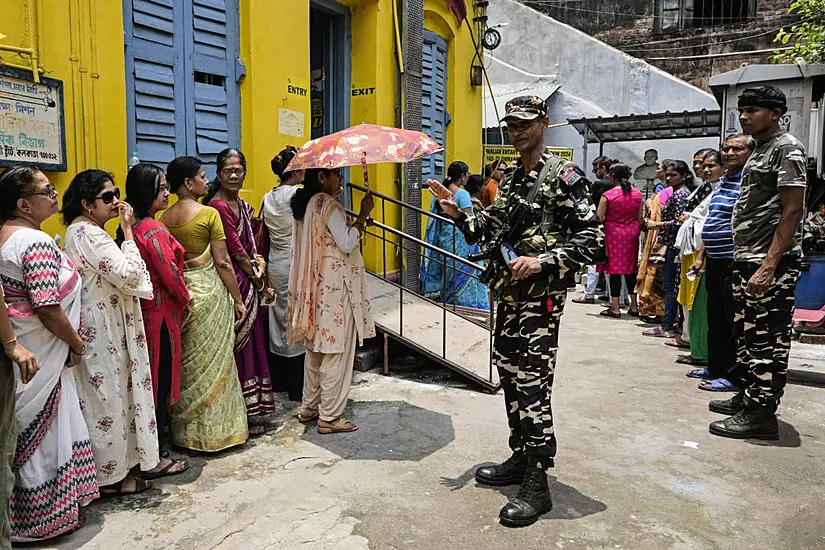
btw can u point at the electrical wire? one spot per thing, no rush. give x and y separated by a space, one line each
715 55
671 48
556 4
688 37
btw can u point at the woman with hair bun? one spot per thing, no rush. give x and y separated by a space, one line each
622 212
211 414
443 279
277 215
329 310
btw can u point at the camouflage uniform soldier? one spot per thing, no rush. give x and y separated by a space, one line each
544 223
767 236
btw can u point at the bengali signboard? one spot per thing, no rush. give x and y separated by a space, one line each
508 153
32 128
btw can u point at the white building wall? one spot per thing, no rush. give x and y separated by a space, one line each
595 79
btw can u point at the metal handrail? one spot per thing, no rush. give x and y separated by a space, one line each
419 242
402 204
402 241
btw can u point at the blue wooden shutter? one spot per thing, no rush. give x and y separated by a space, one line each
434 115
215 118
155 99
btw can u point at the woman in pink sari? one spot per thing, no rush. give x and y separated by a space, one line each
251 337
54 469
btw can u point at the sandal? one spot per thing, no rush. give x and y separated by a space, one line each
689 360
704 374
678 343
611 313
167 470
718 385
584 300
341 426
306 419
141 485
658 332
633 312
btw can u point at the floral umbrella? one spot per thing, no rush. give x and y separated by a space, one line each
363 144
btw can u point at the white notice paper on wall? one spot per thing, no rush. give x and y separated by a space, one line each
290 123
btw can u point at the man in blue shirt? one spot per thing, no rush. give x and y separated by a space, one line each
717 255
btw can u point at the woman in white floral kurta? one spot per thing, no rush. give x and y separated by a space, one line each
114 377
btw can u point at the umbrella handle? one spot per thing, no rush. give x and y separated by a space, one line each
366 173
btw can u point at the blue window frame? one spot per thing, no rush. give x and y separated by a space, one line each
434 115
182 74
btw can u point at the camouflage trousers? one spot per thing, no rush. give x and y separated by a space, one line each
524 352
763 331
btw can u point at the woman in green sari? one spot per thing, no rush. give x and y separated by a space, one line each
211 413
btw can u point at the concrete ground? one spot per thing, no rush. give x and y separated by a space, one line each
636 468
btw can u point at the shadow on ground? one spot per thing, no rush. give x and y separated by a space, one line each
788 437
388 430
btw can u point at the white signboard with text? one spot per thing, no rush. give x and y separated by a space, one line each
32 127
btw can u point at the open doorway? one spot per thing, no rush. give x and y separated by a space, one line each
329 53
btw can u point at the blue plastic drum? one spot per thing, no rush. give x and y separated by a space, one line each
810 290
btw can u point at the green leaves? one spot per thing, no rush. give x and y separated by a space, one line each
807 37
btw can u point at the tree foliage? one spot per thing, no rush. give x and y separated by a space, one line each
807 37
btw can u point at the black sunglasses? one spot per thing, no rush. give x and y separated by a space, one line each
109 197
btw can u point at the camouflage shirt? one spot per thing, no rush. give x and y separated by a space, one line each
564 233
776 162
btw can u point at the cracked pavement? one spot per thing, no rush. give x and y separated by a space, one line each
627 474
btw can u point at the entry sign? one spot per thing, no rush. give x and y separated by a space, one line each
32 128
508 153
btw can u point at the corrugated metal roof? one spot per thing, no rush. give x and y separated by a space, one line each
765 73
652 126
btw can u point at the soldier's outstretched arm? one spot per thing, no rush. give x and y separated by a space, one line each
585 233
486 226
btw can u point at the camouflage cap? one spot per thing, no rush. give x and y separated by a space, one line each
526 107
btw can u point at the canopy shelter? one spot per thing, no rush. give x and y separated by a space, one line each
652 126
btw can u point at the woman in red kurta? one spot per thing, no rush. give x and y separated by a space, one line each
148 193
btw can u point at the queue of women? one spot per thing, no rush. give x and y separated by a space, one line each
164 335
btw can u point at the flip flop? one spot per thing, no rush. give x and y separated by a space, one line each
306 419
689 360
718 385
584 300
141 486
678 343
657 332
342 426
165 472
611 313
704 374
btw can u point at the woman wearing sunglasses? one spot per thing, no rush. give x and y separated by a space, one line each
53 469
114 378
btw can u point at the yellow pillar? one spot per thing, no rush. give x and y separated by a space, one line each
275 49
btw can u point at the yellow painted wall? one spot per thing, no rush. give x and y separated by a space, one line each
276 54
81 43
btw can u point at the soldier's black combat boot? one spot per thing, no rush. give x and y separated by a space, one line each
509 472
752 422
531 501
728 406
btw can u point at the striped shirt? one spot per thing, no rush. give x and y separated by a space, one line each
717 233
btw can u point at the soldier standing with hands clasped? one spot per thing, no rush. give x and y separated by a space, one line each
540 230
